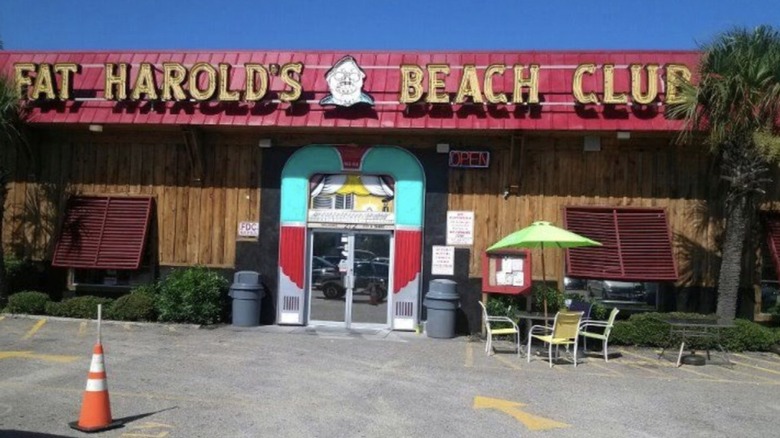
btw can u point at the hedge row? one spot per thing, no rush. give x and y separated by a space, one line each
192 295
650 330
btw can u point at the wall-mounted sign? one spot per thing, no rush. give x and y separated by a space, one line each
460 228
249 229
443 260
470 159
591 83
351 217
345 83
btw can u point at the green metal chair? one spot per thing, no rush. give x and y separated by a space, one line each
601 335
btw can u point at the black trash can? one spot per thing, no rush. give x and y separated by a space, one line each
247 291
442 302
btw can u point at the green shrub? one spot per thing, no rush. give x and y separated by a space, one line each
80 307
21 274
30 302
502 305
650 330
555 299
139 305
194 295
642 329
747 335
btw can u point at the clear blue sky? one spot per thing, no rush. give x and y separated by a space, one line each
374 24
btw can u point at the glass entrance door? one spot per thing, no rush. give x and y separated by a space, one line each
349 276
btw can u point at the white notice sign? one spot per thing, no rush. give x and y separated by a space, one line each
249 229
460 228
443 260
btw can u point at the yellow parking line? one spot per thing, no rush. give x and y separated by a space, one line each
640 356
771 362
469 355
604 367
688 370
34 329
755 367
82 329
767 379
507 362
649 370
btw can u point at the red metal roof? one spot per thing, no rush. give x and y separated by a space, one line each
636 243
103 232
556 111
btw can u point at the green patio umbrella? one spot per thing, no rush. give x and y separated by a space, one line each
542 235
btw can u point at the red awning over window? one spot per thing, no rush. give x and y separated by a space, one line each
102 232
636 243
772 221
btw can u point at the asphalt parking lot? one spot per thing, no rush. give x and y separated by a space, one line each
184 381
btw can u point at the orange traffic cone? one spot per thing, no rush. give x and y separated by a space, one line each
96 408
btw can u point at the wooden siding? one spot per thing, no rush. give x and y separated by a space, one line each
550 172
196 222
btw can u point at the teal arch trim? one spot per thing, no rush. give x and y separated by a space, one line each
379 160
409 181
296 175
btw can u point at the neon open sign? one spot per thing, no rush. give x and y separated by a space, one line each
470 159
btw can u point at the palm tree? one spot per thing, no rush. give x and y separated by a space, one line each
10 118
736 105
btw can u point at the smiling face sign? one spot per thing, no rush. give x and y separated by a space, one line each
345 83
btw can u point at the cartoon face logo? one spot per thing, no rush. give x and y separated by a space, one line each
345 83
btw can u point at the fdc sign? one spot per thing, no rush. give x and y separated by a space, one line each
249 229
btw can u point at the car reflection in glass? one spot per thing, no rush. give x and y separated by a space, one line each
322 269
617 290
370 278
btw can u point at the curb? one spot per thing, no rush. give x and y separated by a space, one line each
105 321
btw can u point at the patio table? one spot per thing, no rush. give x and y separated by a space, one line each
526 321
702 329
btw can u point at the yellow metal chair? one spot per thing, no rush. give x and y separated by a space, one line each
489 320
603 336
565 331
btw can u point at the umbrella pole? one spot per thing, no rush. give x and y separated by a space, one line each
544 286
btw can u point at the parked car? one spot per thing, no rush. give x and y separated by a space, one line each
572 283
360 255
370 278
617 290
321 268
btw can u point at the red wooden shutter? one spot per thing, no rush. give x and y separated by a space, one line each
102 232
772 221
636 243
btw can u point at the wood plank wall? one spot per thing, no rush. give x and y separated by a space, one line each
197 222
551 172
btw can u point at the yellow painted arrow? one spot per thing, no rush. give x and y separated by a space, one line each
43 357
532 422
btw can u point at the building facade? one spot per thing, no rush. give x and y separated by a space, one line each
351 180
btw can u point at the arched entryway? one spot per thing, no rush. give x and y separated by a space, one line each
396 171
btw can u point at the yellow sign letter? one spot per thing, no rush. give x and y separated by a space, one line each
411 83
576 86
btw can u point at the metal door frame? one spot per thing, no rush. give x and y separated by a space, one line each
347 323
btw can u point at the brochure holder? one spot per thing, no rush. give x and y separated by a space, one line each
506 271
